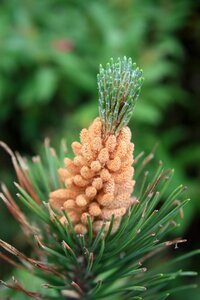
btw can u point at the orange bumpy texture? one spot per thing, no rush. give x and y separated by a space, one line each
98 181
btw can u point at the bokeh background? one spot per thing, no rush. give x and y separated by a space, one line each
50 51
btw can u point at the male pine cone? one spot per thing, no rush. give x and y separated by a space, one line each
98 181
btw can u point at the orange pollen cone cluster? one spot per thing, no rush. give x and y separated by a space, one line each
98 181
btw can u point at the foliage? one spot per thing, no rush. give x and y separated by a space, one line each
54 60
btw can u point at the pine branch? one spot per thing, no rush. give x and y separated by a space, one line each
84 247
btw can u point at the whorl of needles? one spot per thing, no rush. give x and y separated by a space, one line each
119 85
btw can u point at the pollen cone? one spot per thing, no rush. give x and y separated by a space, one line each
98 181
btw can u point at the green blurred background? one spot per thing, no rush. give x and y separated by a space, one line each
50 51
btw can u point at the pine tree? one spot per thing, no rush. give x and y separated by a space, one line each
102 217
